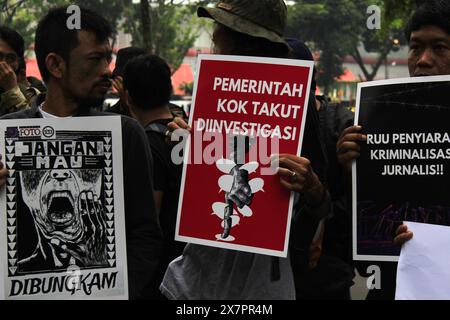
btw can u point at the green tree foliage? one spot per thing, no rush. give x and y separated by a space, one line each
111 10
395 15
8 10
171 29
23 15
188 88
337 28
383 41
399 11
331 27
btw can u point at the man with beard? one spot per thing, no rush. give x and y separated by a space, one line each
75 68
428 35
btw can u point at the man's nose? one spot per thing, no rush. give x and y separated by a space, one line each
107 71
426 59
60 175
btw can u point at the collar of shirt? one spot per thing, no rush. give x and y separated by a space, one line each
47 115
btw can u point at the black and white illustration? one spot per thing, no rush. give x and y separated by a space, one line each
239 190
68 217
63 217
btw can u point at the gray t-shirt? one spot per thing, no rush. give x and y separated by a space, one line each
207 273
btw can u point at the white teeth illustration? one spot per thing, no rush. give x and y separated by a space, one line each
63 194
66 217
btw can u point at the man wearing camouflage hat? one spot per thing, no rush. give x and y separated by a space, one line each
253 28
264 19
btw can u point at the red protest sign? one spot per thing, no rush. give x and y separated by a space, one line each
244 110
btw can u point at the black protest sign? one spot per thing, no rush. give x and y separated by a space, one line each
404 168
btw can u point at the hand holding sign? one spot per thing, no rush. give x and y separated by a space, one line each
348 146
176 124
402 235
296 174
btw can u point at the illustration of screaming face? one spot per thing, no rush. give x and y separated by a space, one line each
52 197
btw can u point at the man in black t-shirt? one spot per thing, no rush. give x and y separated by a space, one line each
148 86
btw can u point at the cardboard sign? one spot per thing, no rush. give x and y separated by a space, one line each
403 171
62 222
244 110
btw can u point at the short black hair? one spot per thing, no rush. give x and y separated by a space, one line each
430 13
13 39
53 35
148 81
123 56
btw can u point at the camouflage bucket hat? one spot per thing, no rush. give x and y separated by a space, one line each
257 18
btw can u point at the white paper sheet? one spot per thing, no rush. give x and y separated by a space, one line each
423 271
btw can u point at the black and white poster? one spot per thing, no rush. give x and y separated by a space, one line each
62 221
403 173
